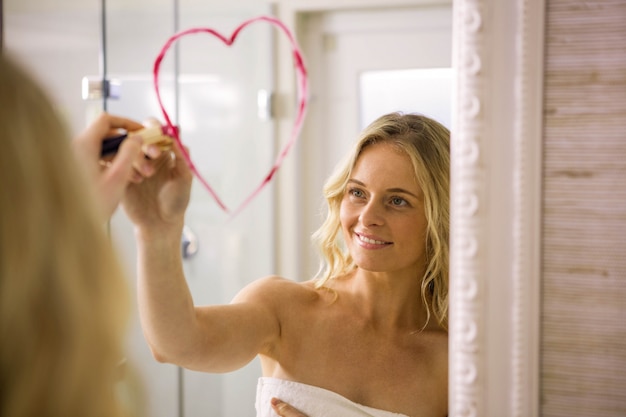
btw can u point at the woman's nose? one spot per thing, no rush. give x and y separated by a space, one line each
372 214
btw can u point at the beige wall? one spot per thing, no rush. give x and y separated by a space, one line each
583 371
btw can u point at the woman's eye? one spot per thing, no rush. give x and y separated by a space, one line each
355 192
398 201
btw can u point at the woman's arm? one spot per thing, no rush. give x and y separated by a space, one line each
210 338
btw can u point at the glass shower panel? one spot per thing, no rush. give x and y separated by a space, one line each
233 149
58 44
134 35
211 92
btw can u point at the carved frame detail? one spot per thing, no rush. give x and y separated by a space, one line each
475 388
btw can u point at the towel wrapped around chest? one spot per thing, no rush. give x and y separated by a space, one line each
312 401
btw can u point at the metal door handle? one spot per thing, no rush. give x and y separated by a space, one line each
189 243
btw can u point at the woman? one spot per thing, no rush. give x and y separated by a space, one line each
63 297
366 338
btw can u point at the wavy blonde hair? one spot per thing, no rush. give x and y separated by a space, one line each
63 297
427 143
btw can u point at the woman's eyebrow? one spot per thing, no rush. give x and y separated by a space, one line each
390 190
356 181
403 191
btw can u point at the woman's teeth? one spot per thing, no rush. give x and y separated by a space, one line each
371 241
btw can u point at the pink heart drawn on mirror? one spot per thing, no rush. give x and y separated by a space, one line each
302 86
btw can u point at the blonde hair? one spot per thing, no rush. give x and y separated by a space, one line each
427 143
63 298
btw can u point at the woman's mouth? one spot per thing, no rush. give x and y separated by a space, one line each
371 241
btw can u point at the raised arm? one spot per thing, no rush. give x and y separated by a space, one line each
209 338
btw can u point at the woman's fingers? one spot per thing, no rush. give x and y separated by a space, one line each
179 162
285 410
105 123
118 173
133 161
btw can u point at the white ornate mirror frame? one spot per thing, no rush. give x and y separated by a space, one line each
496 198
496 208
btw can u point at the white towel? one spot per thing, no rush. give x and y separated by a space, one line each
312 401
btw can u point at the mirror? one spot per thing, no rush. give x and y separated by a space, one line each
496 61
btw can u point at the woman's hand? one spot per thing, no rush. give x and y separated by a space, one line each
158 203
285 410
128 165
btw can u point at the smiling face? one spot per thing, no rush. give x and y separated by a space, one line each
382 212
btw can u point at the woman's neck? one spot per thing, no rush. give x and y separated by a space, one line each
390 300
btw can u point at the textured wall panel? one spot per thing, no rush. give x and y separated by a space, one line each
583 371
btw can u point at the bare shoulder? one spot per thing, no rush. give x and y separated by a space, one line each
279 300
277 290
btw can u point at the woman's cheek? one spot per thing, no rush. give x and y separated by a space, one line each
345 212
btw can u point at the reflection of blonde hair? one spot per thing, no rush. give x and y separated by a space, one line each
427 143
63 297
